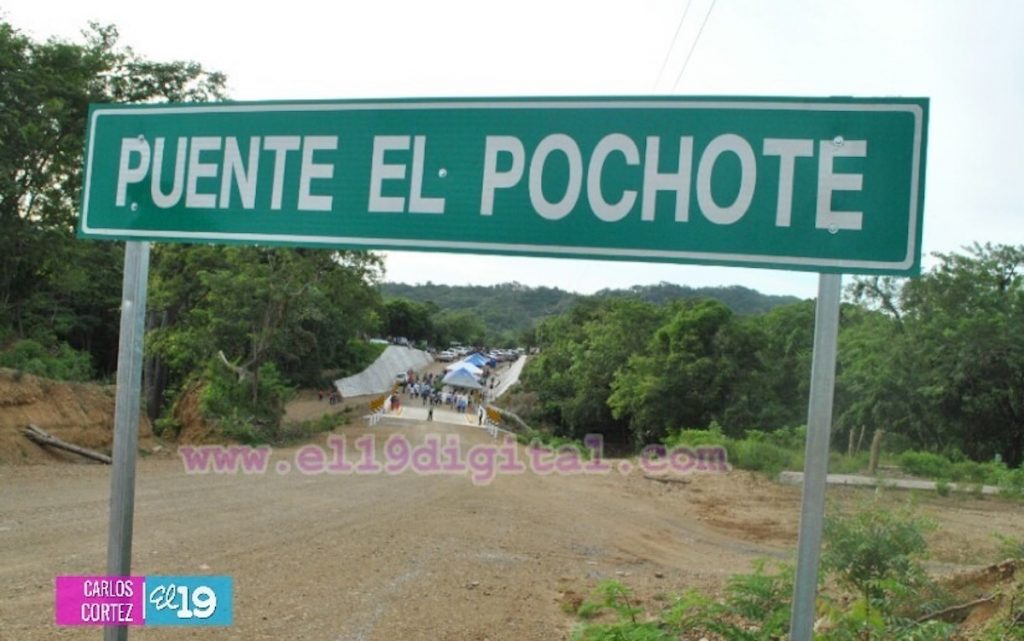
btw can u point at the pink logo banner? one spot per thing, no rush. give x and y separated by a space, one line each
99 600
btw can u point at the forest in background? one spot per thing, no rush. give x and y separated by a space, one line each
509 311
936 361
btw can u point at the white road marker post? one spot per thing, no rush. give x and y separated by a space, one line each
819 428
126 417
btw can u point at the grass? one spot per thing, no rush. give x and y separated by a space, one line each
773 452
874 588
302 430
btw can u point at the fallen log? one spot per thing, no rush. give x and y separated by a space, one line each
956 611
667 479
37 435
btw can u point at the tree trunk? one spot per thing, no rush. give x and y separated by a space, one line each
876 448
154 374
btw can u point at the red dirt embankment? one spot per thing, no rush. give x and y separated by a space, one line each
79 413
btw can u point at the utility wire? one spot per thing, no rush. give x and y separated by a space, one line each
672 44
693 46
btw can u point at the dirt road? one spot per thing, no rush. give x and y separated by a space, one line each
406 557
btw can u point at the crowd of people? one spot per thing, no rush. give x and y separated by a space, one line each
427 388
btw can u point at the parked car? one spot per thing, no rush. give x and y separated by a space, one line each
446 356
402 378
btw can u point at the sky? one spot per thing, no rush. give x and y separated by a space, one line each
966 56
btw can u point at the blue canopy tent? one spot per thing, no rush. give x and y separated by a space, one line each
461 377
466 365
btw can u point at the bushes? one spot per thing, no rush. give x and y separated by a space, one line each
768 452
249 410
756 608
762 456
943 470
696 438
926 464
874 557
59 362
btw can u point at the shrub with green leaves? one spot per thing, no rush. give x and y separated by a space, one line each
763 456
614 597
877 553
696 438
59 362
875 545
247 410
756 608
926 464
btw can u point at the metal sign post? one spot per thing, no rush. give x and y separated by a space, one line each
126 417
819 428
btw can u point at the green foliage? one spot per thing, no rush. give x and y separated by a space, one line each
459 326
301 431
60 362
741 300
302 310
361 354
763 456
510 311
408 319
926 464
685 373
612 596
52 284
584 351
696 438
756 608
1010 547
763 599
969 474
839 463
948 359
767 452
876 552
1011 482
167 427
247 410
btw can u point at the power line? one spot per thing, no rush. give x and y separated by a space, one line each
693 46
672 45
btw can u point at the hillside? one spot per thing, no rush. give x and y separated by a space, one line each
513 306
79 413
739 299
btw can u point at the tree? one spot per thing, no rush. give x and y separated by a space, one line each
298 308
582 352
463 327
951 370
686 375
54 288
402 317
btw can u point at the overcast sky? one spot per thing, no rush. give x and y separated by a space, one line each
967 56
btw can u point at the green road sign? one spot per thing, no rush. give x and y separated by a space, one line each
830 185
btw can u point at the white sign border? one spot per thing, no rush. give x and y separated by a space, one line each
575 251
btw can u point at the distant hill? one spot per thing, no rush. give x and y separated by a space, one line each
514 307
505 307
741 300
